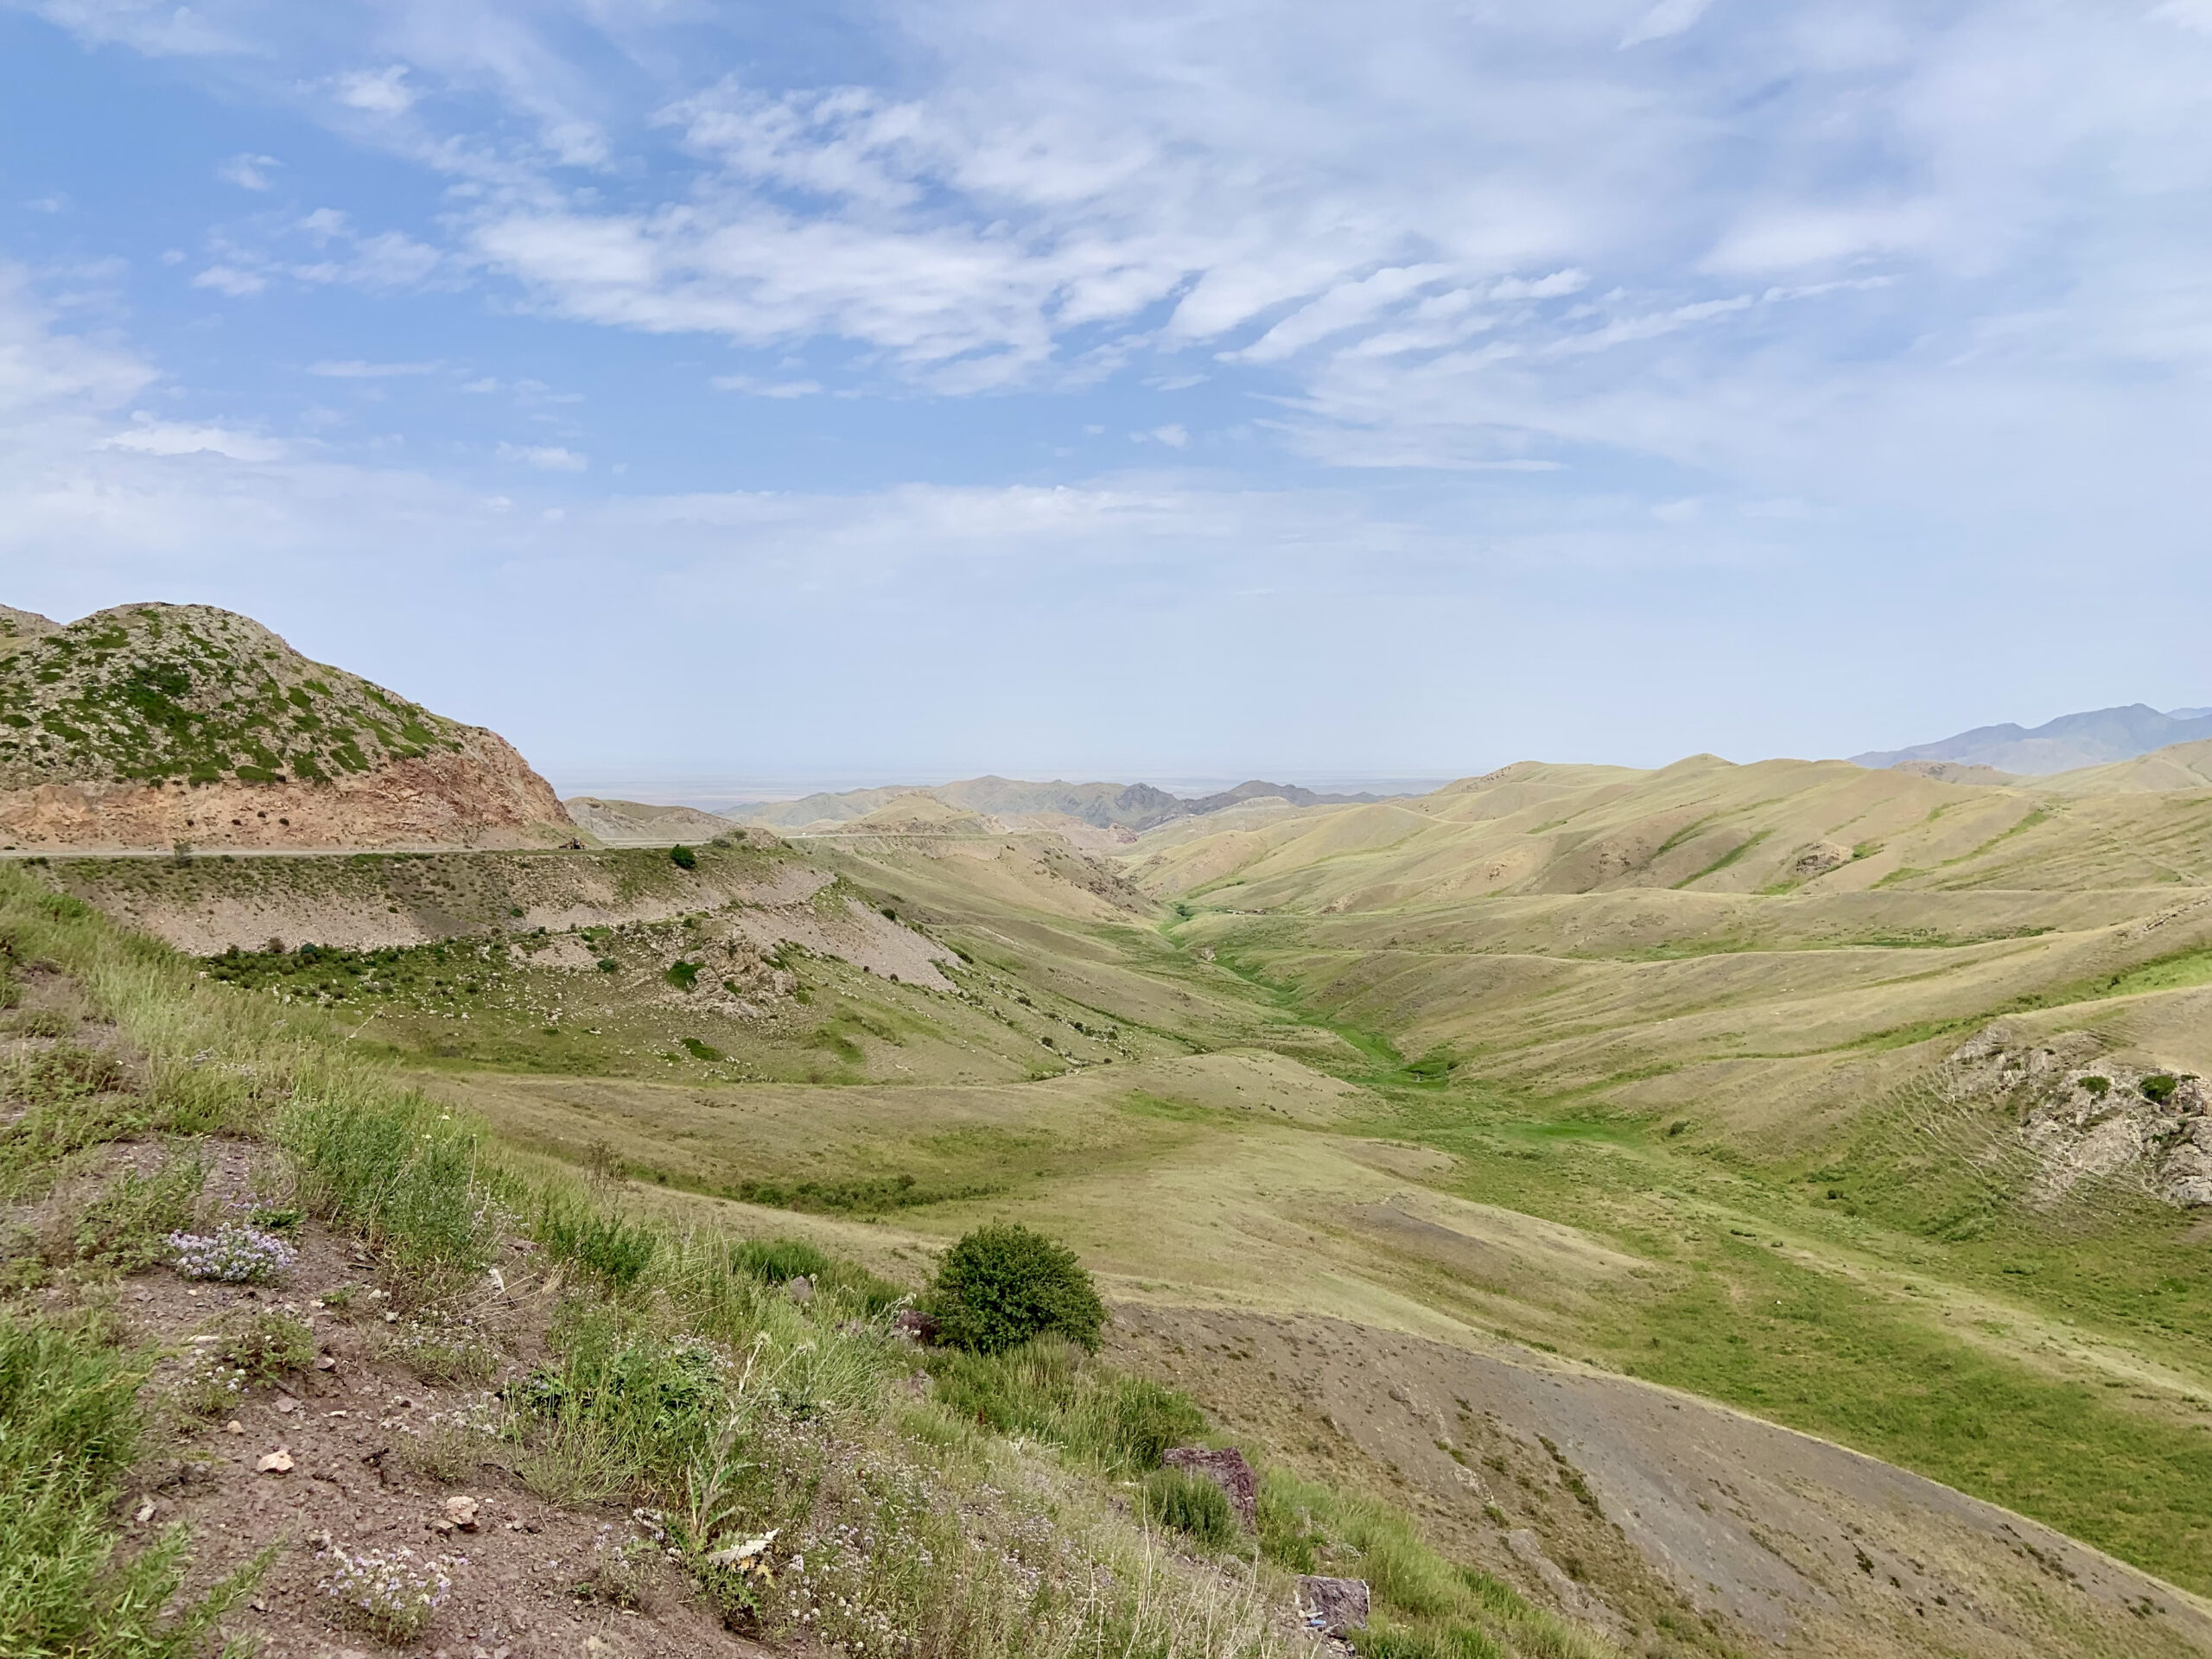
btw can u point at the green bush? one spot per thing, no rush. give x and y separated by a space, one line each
684 975
1190 1503
1002 1285
684 858
2158 1087
2099 1087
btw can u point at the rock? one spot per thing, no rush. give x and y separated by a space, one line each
1819 859
915 1326
1337 1606
462 1512
1226 1469
234 1426
800 1289
286 1405
325 1363
279 1462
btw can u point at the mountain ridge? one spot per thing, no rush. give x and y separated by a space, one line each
2094 737
1135 807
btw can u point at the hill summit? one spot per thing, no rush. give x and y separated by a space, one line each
148 725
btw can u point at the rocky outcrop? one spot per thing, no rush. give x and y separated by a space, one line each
2087 1117
1225 1469
481 793
149 725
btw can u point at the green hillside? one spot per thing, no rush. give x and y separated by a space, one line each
191 694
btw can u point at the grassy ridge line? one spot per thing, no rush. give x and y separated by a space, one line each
710 1390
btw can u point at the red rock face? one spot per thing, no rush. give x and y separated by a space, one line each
483 795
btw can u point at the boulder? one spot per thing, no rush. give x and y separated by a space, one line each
1228 1470
1337 1606
915 1326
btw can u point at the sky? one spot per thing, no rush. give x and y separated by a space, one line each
1202 390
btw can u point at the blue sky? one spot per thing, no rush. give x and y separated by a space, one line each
1138 390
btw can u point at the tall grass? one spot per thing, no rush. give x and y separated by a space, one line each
69 1427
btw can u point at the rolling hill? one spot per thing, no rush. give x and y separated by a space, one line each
146 725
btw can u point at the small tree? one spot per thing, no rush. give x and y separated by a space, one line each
682 857
1002 1284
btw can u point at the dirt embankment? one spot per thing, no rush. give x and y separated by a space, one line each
483 794
1601 1489
206 906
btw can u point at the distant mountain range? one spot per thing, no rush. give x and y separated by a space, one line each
1105 806
2094 738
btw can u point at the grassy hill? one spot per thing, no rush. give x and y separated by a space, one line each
190 694
148 724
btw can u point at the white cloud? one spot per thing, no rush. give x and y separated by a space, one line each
248 172
546 457
1785 238
1665 19
377 91
150 437
355 369
229 279
757 388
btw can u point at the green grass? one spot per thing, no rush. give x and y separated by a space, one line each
1424 1603
1735 1319
70 1424
1726 859
1051 1390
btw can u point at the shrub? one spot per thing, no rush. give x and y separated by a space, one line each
2158 1087
1190 1503
1002 1285
682 857
2099 1087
